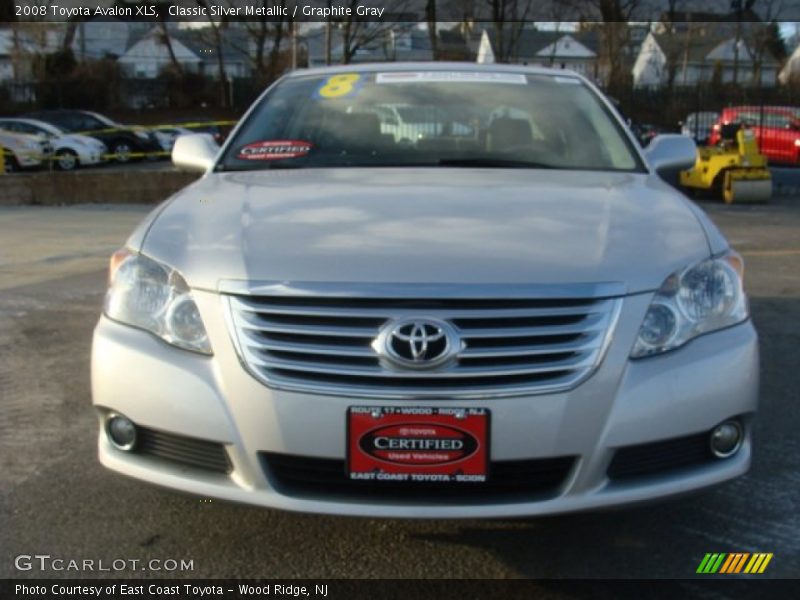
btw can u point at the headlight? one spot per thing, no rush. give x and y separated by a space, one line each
146 294
702 298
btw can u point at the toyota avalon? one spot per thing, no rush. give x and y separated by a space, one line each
506 313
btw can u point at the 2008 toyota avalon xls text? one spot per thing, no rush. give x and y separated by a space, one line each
428 290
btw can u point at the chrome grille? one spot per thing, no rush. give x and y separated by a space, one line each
509 346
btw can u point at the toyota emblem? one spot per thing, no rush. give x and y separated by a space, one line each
418 343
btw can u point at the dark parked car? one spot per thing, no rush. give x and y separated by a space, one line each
698 125
123 141
645 132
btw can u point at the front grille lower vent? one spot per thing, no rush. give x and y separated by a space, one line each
509 481
186 451
324 344
658 457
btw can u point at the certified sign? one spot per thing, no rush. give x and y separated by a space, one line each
274 150
418 444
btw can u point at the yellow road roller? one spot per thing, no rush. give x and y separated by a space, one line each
735 168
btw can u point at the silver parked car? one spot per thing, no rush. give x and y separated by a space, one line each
515 318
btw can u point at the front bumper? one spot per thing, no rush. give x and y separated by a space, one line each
625 403
91 156
29 159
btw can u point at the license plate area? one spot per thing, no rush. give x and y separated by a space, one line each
417 445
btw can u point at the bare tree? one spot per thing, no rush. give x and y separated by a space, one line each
165 38
215 28
358 32
430 18
615 35
266 35
507 17
761 37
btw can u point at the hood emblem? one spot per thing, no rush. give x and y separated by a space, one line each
417 343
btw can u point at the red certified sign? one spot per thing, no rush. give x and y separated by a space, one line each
274 150
418 444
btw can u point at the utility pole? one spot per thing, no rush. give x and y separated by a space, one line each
83 41
737 5
294 45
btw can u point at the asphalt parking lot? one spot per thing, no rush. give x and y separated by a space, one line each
56 499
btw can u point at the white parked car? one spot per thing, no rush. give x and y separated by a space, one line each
23 151
408 124
70 150
166 136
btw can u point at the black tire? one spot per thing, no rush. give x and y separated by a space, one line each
66 160
10 163
121 149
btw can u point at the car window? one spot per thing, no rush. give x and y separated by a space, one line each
26 128
62 120
88 123
431 118
777 120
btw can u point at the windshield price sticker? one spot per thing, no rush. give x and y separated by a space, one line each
450 76
274 150
418 444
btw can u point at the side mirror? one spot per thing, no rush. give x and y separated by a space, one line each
195 151
671 151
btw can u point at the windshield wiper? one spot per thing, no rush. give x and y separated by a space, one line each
494 163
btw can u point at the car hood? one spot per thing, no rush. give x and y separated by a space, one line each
427 225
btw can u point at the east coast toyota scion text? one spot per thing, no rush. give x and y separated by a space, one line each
439 290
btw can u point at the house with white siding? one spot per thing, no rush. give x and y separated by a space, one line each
790 73
689 58
149 55
577 51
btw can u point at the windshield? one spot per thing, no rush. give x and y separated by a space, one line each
431 118
48 128
104 119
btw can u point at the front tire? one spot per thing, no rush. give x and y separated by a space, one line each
67 160
10 163
121 149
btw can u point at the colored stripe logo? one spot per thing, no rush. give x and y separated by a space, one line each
734 562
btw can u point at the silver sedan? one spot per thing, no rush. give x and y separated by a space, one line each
513 315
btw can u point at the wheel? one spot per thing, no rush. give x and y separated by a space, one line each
121 151
66 160
10 163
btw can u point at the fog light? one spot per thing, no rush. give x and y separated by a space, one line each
726 439
122 432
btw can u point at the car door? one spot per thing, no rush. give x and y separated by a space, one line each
775 137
